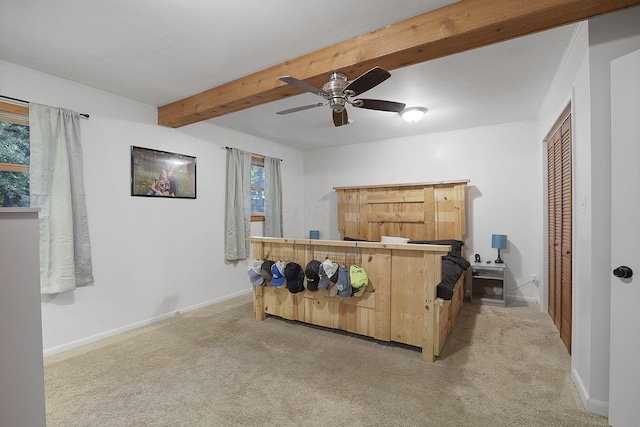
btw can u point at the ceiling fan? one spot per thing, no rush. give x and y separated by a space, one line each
339 92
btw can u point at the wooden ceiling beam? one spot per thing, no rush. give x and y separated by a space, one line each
462 26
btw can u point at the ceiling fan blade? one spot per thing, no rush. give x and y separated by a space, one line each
304 107
340 119
304 86
378 104
371 78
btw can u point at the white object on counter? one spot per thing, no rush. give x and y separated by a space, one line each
394 240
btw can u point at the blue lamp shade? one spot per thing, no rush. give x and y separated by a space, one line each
499 241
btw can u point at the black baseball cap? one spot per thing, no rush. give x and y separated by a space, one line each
295 277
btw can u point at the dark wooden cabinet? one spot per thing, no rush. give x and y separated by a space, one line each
559 161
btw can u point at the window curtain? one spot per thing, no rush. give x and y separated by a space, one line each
272 198
238 216
57 188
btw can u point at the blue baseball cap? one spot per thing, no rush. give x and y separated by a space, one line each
277 273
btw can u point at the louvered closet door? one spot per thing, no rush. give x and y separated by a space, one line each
560 220
567 203
551 178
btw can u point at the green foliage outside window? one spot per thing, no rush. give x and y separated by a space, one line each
257 188
14 150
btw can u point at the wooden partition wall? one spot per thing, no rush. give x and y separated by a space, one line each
399 303
424 211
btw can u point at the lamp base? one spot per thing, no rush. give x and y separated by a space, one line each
499 261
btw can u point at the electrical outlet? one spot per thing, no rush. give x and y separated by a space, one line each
534 278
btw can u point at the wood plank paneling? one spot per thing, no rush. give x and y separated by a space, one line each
429 208
394 195
448 212
407 324
377 264
362 227
428 211
446 312
430 318
349 205
392 214
460 197
399 303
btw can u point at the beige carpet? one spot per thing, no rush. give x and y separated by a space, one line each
217 366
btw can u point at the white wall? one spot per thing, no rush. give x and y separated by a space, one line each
610 36
22 386
572 86
151 257
505 202
585 80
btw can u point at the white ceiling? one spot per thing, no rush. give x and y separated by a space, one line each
160 51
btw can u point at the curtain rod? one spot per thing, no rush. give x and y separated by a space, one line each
86 116
262 155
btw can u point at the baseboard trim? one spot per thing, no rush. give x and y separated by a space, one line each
594 406
520 298
107 334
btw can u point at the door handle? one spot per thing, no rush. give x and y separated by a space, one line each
623 272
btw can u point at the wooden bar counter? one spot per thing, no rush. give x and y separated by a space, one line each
399 303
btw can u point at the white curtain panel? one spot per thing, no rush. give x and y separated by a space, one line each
238 215
57 188
272 198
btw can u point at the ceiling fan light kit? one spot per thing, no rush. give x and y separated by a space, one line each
338 93
413 114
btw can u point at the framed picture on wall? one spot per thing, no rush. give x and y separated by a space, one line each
162 174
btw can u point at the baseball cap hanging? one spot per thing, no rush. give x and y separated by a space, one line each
277 273
313 274
327 270
359 280
295 277
265 270
344 282
254 272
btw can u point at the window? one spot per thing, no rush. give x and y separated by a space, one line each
14 155
257 188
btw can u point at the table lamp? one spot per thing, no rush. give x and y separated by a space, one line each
499 241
